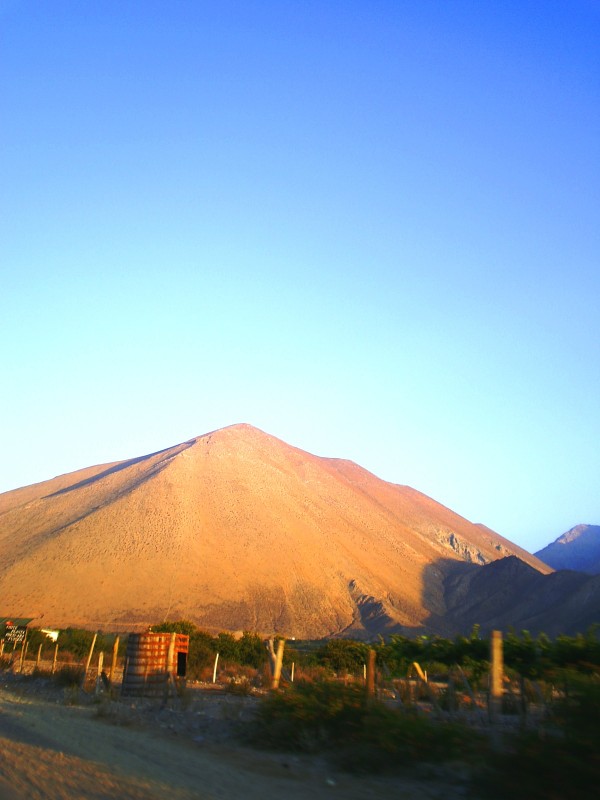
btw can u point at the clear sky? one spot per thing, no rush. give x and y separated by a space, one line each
368 228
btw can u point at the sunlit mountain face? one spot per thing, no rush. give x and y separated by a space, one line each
236 530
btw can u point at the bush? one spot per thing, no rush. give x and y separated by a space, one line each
241 687
557 761
68 676
251 651
360 734
76 641
344 655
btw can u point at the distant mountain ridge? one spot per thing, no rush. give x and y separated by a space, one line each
237 530
578 548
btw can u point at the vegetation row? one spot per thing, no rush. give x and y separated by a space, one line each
535 658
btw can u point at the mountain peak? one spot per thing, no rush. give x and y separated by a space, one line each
583 530
578 549
238 430
234 530
238 427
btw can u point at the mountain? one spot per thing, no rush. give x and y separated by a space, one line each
578 548
237 530
509 592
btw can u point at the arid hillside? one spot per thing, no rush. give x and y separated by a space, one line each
238 530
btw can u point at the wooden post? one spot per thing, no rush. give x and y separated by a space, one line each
170 672
100 668
215 668
272 657
496 673
422 674
371 673
2 648
55 658
24 648
113 663
171 654
89 660
293 665
278 664
39 657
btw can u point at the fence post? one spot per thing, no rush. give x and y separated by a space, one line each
55 658
371 673
215 668
100 668
39 657
113 663
278 664
89 660
24 648
171 685
496 674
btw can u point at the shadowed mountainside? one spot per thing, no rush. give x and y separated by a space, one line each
578 548
238 530
509 593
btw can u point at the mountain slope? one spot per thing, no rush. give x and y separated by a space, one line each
578 548
511 593
235 530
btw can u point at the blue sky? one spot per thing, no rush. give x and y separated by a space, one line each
368 228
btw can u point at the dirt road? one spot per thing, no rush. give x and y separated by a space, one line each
53 751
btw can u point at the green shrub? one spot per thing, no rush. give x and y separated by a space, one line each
559 760
309 717
251 651
68 676
76 641
360 734
344 655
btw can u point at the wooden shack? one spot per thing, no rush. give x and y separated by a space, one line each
154 663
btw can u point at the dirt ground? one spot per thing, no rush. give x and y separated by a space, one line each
59 744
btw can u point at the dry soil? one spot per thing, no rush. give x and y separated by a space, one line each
53 749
